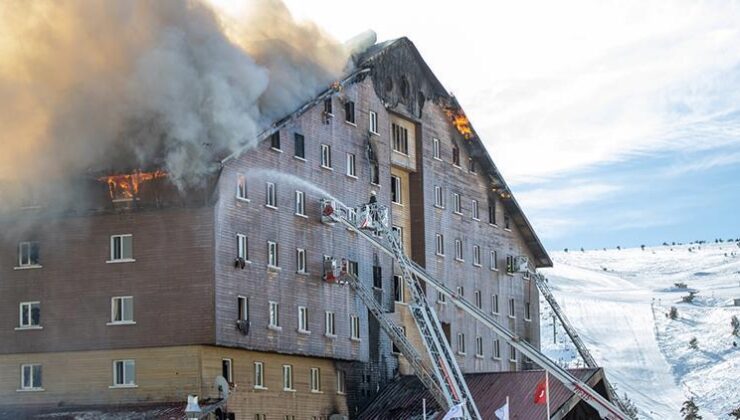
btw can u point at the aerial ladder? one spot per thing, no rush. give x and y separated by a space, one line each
373 218
450 385
575 338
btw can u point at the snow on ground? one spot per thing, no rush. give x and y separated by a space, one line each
618 301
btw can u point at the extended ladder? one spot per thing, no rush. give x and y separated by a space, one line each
448 375
588 359
336 212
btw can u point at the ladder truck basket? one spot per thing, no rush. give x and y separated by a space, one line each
372 217
328 211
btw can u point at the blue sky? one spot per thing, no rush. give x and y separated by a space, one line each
614 122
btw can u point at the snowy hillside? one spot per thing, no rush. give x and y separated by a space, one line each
619 301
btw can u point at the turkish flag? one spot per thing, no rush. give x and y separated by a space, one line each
540 393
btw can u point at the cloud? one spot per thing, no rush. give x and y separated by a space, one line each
539 199
702 164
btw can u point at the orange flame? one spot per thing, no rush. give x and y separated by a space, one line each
460 121
126 187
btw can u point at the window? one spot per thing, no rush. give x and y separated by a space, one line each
259 375
28 254
476 255
455 155
491 211
31 377
507 221
402 330
300 260
396 189
30 315
479 346
457 204
377 277
241 187
510 264
373 122
398 233
398 291
460 343
527 311
274 315
375 173
351 171
460 291
354 327
326 156
328 106
436 152
227 371
303 319
471 165
440 245
512 309
439 198
124 373
315 380
349 112
458 250
494 304
121 248
288 378
122 310
400 139
478 299
329 326
275 140
271 195
300 203
300 146
272 254
496 348
441 297
242 303
494 260
512 353
340 382
242 247
474 209
353 268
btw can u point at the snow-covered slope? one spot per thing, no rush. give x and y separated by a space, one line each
618 300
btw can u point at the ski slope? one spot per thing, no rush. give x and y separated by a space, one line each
618 300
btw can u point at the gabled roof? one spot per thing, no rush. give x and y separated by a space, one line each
402 398
375 60
380 61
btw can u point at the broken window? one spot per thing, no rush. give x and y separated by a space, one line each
455 155
28 254
300 149
349 112
275 140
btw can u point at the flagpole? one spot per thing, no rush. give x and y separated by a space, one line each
547 393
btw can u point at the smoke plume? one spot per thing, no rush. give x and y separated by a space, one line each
95 86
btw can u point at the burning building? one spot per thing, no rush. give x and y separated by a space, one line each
146 293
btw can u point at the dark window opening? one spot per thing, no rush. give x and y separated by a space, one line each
377 277
328 106
455 155
300 148
349 112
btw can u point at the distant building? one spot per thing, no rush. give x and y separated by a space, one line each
143 294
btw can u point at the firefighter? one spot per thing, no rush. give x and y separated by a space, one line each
373 197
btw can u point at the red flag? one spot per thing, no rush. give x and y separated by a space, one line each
540 393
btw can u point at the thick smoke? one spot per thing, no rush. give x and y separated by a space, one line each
105 86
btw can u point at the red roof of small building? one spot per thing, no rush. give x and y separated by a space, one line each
402 399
